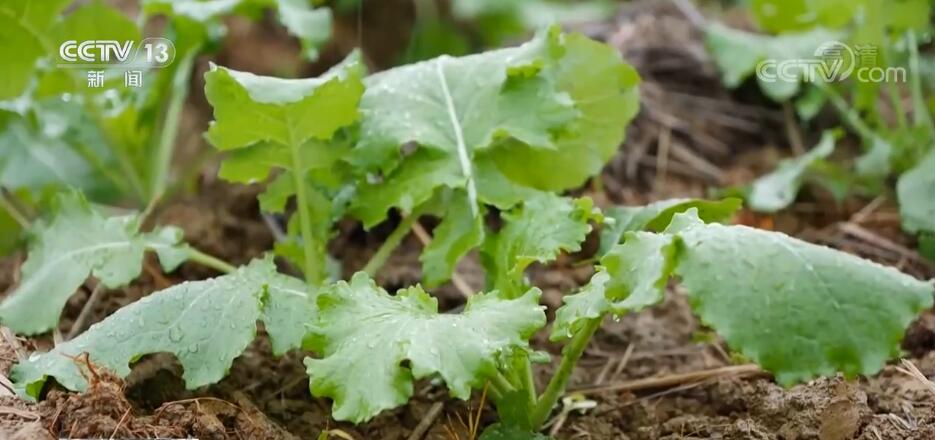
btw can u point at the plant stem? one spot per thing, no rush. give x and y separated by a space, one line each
13 211
895 95
126 167
210 261
528 382
178 92
501 385
920 114
311 271
849 115
897 103
556 387
390 244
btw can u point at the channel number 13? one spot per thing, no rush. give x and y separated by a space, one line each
157 52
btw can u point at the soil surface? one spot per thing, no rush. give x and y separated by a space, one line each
652 375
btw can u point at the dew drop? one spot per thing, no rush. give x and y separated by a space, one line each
175 334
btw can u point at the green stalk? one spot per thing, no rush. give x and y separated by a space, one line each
850 116
390 244
501 385
13 211
213 262
895 96
556 387
126 167
527 381
312 271
178 92
897 103
920 114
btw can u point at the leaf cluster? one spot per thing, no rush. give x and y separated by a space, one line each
880 35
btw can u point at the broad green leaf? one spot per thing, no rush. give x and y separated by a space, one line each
916 192
656 217
538 231
458 107
605 92
254 110
632 276
35 158
778 189
36 15
95 21
20 48
364 336
737 53
797 309
79 242
205 324
454 237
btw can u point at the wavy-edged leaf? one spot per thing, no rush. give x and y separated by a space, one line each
797 309
538 231
605 93
205 324
458 107
656 217
779 188
258 110
632 276
79 242
364 335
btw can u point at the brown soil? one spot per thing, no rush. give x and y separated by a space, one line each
691 136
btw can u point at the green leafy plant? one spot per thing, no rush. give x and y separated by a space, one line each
896 147
115 146
289 125
442 137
